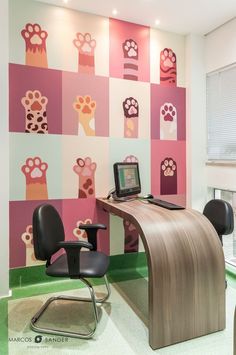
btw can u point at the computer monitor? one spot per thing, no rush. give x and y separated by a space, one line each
127 179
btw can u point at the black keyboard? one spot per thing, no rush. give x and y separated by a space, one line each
165 204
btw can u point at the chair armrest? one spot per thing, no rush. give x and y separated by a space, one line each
73 249
91 230
75 244
92 226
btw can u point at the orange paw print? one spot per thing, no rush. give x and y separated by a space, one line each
86 107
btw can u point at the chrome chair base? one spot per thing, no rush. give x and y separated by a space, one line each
93 299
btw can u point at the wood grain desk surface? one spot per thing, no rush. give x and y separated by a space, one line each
186 270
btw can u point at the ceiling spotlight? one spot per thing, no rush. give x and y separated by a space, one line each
114 12
157 22
65 1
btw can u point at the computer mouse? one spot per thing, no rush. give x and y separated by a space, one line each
148 196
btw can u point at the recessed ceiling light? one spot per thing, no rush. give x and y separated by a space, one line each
114 12
157 22
65 1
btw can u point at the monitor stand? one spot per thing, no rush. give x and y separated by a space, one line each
123 199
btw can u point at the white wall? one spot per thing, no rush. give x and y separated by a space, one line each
221 52
221 47
196 122
4 152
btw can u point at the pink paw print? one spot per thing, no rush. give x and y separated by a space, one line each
168 57
36 182
168 67
86 46
131 159
168 112
130 53
34 169
130 227
131 234
131 116
85 169
168 121
35 42
33 35
168 167
131 237
130 49
85 43
168 177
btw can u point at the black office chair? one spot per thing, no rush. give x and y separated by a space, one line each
220 214
48 238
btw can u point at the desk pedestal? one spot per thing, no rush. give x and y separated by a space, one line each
186 271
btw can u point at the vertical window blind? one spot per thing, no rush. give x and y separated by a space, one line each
221 114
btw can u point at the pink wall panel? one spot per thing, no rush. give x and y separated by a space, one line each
96 89
21 243
84 211
174 97
129 50
22 79
160 150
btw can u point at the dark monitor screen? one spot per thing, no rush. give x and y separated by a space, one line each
127 180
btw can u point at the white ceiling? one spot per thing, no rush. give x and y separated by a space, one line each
180 16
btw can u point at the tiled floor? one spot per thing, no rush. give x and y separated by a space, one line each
122 329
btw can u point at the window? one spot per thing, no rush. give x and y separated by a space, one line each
221 114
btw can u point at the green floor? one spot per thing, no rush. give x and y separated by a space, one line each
32 281
127 283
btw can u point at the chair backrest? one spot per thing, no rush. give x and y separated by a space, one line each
220 214
48 230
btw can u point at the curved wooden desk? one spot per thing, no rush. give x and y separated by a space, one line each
186 270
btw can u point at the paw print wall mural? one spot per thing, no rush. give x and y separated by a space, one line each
130 52
168 122
86 47
168 177
168 71
27 238
85 107
81 234
131 237
130 159
35 43
85 169
131 234
35 112
36 182
131 117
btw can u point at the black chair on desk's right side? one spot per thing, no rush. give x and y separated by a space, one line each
220 214
48 238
